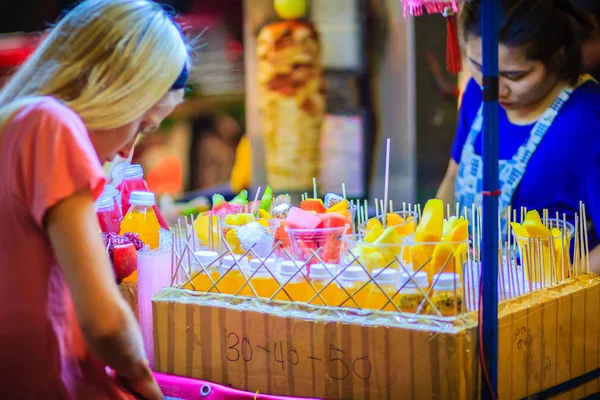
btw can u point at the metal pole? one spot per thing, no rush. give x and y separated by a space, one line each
490 16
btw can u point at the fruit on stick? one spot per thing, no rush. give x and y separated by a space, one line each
290 9
265 201
331 199
315 205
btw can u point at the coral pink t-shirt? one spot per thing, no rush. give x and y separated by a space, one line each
45 156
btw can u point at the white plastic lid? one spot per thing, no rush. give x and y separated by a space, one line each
385 277
446 282
206 257
354 274
269 264
134 171
320 271
142 199
420 279
290 267
110 190
229 261
105 203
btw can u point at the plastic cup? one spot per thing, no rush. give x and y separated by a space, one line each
537 258
405 229
305 242
372 256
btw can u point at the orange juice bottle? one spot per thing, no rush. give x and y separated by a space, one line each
353 279
262 281
298 288
233 279
141 219
412 291
200 281
387 279
321 275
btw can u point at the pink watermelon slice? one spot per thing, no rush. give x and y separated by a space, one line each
332 220
300 219
315 205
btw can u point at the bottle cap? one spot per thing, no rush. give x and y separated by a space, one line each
385 277
420 278
142 199
229 261
446 282
289 267
206 258
320 271
268 264
110 190
134 171
105 203
354 274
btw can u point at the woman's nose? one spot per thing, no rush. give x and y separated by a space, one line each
503 90
126 151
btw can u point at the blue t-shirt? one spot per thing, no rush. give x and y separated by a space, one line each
565 169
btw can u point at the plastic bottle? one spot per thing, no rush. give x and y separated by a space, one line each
200 281
133 181
263 282
298 288
446 295
141 220
387 279
233 279
353 279
410 297
109 215
321 275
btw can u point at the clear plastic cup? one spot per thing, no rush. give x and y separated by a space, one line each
438 257
372 256
253 235
537 258
405 228
305 242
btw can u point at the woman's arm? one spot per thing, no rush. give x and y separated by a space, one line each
107 323
446 189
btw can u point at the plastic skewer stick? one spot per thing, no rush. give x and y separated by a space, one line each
315 188
255 202
344 190
387 179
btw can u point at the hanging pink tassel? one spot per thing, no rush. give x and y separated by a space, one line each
416 7
453 56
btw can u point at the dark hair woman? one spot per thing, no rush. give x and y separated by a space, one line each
549 119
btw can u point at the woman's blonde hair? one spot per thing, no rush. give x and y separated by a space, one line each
110 61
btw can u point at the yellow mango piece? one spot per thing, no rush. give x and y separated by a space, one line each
460 256
374 234
459 232
519 230
263 214
534 216
536 230
373 261
443 255
264 222
393 219
389 236
202 228
426 237
432 220
231 219
234 242
341 206
373 222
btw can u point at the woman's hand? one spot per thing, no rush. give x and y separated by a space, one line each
446 189
144 387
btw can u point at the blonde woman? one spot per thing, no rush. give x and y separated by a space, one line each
109 70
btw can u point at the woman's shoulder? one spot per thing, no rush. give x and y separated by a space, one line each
51 110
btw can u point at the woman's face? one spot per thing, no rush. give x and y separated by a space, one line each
523 83
120 141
